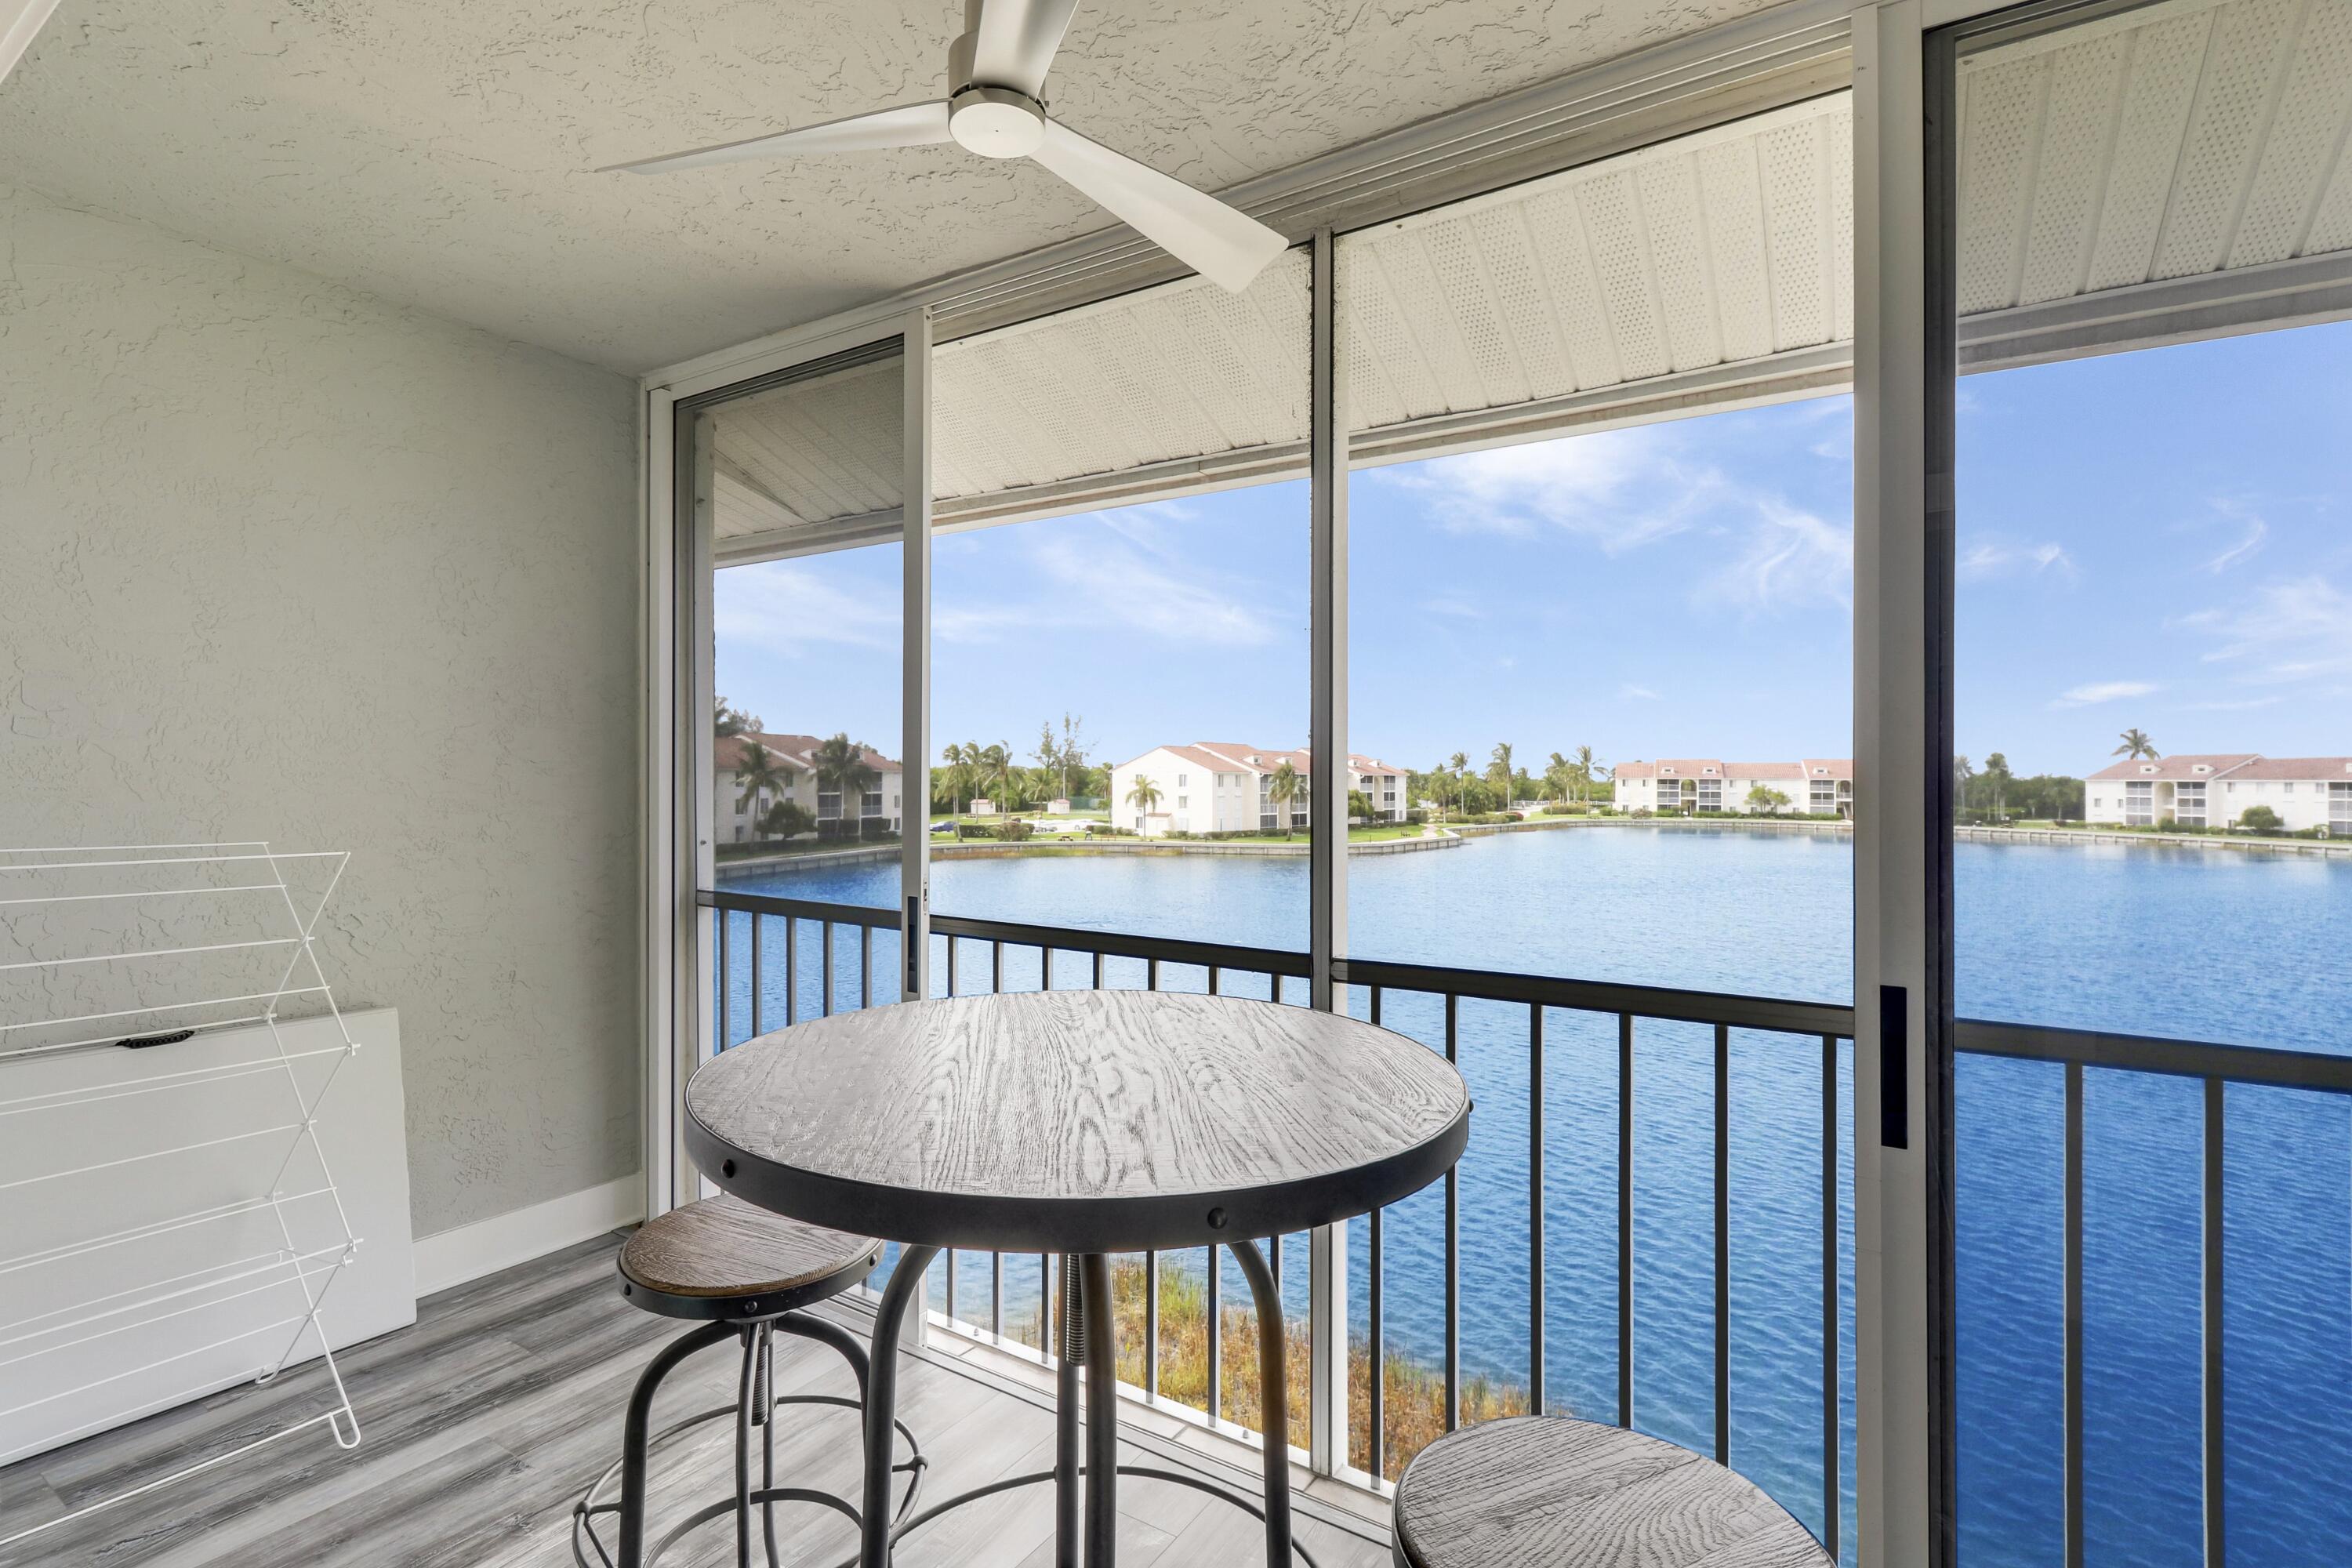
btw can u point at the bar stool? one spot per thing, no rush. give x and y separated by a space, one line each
1537 1490
743 1274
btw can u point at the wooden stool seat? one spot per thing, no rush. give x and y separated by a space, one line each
1538 1492
721 1258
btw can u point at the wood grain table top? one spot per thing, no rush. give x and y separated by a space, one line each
1076 1120
1542 1492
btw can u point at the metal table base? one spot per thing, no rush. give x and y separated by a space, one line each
1085 1533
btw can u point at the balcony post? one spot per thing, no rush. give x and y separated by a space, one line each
1902 856
915 746
915 719
1327 815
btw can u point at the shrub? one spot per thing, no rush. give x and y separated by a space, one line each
1641 811
2260 819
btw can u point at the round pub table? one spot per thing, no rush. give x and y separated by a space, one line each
1084 1123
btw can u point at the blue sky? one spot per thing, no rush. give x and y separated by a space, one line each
2156 539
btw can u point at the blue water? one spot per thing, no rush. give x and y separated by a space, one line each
2194 944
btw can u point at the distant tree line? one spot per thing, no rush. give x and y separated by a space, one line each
1994 793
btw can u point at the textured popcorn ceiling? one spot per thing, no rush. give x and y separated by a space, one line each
437 153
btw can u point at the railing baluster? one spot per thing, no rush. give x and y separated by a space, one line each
1453 1247
1151 974
949 1255
1216 1327
1535 1210
1378 1418
951 975
1833 1495
865 966
2209 1328
996 969
1722 1244
1625 1219
1150 1322
756 919
1045 1304
723 998
1213 980
2074 1335
996 1294
1098 958
1045 969
827 956
792 969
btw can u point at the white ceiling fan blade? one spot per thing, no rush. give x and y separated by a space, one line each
1015 42
915 125
1227 247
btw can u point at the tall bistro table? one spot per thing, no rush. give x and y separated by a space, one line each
1084 1123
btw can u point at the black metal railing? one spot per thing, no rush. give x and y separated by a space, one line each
1824 1026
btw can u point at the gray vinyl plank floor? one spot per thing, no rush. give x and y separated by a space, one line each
484 1420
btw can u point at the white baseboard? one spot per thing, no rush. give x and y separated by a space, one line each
501 1241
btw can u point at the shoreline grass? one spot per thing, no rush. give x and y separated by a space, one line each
1413 1393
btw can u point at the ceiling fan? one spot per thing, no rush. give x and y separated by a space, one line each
996 70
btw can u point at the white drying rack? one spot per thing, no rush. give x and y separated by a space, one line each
173 1305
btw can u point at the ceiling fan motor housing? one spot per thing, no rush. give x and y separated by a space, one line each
996 121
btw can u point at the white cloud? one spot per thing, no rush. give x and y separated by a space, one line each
1457 606
2101 692
1582 485
1993 555
1631 693
786 608
1792 558
2256 530
2299 629
1125 578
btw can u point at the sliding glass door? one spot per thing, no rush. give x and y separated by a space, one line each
2145 302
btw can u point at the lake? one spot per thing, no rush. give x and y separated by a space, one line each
2212 944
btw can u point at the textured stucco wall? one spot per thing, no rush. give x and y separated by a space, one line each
282 561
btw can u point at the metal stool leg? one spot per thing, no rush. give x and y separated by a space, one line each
749 1389
1274 1397
882 1400
635 1432
1070 1351
764 1415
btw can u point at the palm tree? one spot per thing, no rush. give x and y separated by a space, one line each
1962 771
1585 762
1996 768
728 722
1143 795
840 767
1498 768
1559 777
758 772
1286 786
2135 743
1456 765
962 760
995 764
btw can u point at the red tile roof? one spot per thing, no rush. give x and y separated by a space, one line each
2184 766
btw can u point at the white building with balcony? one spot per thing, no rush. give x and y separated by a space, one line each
1813 786
1216 786
2217 790
794 757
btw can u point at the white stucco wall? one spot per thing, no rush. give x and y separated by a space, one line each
282 561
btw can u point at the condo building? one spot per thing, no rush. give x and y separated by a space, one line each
1813 786
1215 786
2216 789
876 809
